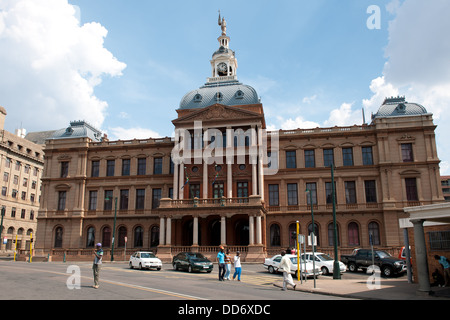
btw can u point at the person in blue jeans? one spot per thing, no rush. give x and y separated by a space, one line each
237 266
221 261
446 266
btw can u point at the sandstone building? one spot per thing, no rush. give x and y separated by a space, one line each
21 164
223 179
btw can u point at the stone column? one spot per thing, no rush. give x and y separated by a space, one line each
251 234
175 181
181 182
205 179
258 230
169 231
195 232
223 231
421 256
162 230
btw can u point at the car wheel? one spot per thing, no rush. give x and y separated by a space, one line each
352 267
140 266
158 269
325 271
387 271
190 269
175 267
131 265
271 269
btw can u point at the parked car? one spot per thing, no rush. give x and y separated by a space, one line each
192 261
272 265
402 254
144 260
324 262
362 258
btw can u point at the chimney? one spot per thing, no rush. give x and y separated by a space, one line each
2 117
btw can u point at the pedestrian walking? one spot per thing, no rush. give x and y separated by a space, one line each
97 264
237 266
221 261
285 265
227 265
446 266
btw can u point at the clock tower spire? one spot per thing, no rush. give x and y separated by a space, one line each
223 63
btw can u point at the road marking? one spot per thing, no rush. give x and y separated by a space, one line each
133 286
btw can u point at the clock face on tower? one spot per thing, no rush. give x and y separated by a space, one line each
222 69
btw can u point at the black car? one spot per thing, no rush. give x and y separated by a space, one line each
191 261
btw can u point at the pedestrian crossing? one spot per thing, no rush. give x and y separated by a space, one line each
250 278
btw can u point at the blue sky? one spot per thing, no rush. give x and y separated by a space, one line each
125 65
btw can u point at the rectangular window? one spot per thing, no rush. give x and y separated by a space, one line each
172 166
95 171
140 199
64 169
107 205
157 165
171 193
61 200
329 192
292 194
125 167
312 188
156 196
272 160
350 192
6 177
347 156
242 190
194 190
411 189
141 166
92 200
218 190
273 195
439 240
124 199
310 159
407 152
13 212
371 191
110 167
4 191
328 157
22 214
291 160
367 156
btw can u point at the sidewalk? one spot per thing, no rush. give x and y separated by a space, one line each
388 289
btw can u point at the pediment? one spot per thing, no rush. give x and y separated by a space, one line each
218 113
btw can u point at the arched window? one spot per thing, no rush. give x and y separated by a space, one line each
275 235
58 237
331 234
138 237
154 236
353 234
106 237
90 240
121 239
374 231
316 232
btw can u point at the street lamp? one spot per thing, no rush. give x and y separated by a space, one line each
336 268
114 227
312 235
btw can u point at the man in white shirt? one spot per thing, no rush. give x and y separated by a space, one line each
285 265
97 264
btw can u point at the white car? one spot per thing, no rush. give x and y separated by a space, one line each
273 264
144 260
323 261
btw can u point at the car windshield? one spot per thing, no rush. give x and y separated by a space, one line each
294 260
325 257
196 255
383 254
147 255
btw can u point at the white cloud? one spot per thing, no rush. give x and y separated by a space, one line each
309 99
119 133
418 64
50 64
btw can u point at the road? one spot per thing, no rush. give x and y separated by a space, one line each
73 281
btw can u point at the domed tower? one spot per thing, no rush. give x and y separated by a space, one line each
218 159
